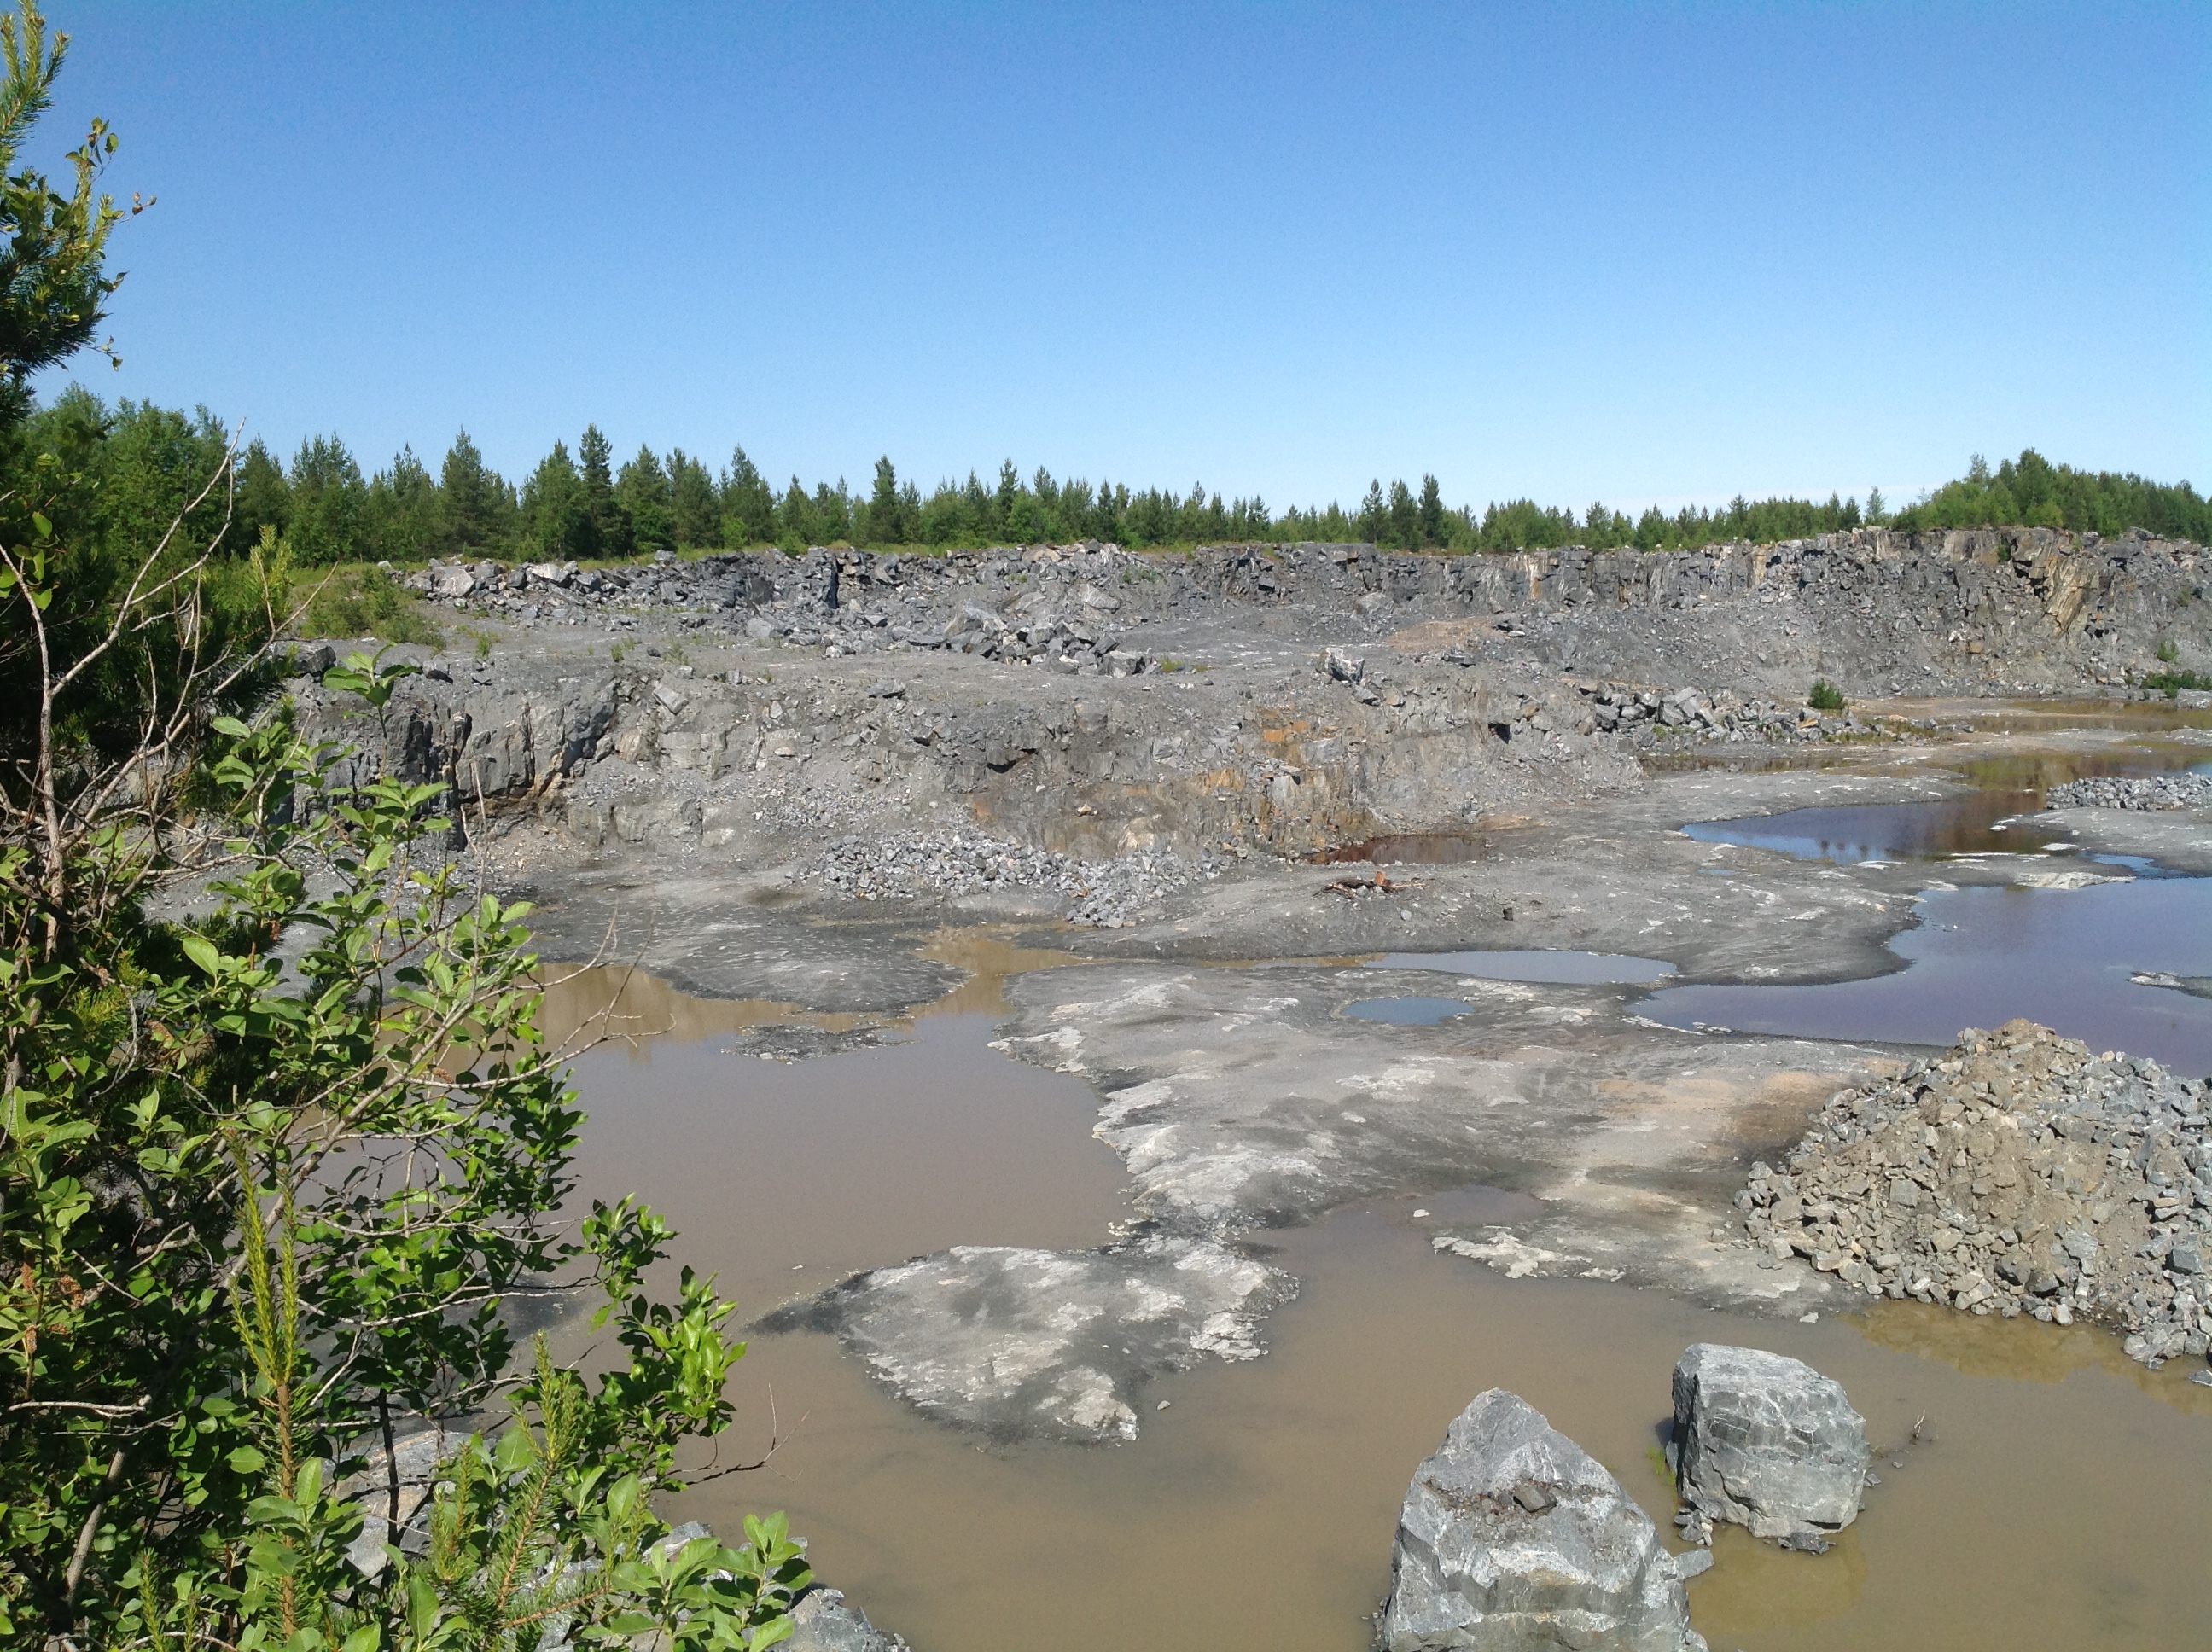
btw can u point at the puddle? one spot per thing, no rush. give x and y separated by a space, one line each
1940 829
1408 1012
1980 956
1554 969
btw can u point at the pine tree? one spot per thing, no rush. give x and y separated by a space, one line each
1430 517
694 501
328 501
1405 517
1373 520
882 521
474 507
748 504
1877 509
264 497
610 527
647 502
797 524
400 514
557 521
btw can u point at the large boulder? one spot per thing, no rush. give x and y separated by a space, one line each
1513 1538
1766 1440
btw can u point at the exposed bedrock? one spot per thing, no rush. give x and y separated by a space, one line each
1513 1538
1055 1343
1766 1440
1483 686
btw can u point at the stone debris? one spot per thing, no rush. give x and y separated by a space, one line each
1649 717
1766 1440
2133 791
2019 1173
1515 1538
1023 1342
1104 895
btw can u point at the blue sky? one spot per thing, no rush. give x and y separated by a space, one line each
1627 252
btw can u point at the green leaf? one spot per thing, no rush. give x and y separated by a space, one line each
203 952
246 1460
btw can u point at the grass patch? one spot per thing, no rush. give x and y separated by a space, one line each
363 601
2170 683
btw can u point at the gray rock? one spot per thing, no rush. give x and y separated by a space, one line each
1043 1342
1474 1566
1766 1440
821 1622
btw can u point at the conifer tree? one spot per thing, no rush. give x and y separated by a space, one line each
609 530
748 504
473 502
694 502
646 501
1431 517
1373 520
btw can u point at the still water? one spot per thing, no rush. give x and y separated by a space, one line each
2058 1498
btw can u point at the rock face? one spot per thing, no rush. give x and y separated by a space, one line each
1514 1539
2133 791
1055 1342
1766 1440
2020 1174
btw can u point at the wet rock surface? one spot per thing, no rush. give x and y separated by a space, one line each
823 1621
2019 1173
1055 1342
1766 1440
1513 1538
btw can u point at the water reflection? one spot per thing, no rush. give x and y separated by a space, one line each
1981 956
1561 968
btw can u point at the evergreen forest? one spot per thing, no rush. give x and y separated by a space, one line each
132 465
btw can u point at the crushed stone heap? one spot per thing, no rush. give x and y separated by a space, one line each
2133 791
2019 1173
1105 895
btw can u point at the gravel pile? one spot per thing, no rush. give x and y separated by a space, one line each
2020 1174
2133 791
1105 895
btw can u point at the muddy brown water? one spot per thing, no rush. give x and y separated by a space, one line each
2059 1497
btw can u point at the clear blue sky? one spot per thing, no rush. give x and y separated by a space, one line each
1630 253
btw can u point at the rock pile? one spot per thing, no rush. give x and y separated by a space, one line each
1104 895
2019 1173
1691 713
1514 1537
2133 791
1767 1442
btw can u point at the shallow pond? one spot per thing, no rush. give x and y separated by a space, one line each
1256 1508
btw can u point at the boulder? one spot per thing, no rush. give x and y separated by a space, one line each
1766 1440
1513 1538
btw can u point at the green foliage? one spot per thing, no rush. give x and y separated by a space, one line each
2167 651
2031 491
366 602
2170 683
1826 696
54 284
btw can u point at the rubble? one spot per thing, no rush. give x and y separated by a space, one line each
2019 1173
1105 895
2181 791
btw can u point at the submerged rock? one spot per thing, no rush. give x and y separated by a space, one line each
1513 1538
1766 1440
821 1622
1044 1342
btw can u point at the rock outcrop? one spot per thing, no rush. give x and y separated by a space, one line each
1041 1342
1513 1538
2020 1174
1766 1440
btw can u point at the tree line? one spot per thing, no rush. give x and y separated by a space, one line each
133 465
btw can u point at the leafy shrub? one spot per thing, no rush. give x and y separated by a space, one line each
1826 696
2170 683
